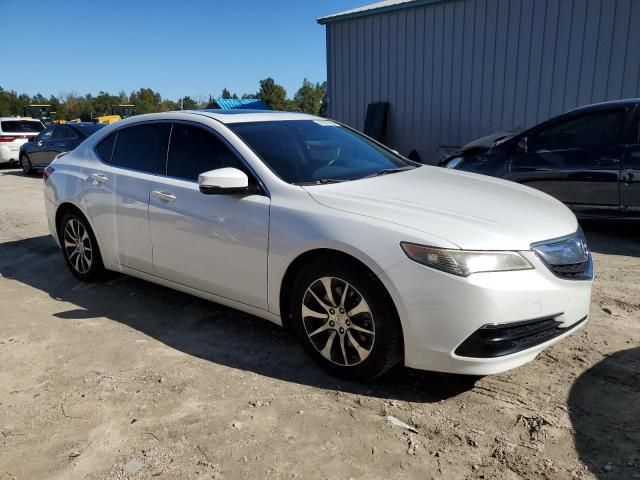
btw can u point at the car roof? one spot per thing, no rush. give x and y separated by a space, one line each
26 119
610 103
81 124
247 115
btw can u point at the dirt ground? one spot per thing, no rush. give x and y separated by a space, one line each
131 380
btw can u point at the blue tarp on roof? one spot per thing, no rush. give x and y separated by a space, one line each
241 103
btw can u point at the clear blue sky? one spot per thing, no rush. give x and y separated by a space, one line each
176 47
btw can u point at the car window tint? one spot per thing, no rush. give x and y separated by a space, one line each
21 126
141 147
105 148
86 129
63 132
46 134
301 151
194 150
596 130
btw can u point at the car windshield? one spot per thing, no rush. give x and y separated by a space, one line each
21 126
317 151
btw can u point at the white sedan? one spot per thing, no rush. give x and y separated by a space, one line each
371 259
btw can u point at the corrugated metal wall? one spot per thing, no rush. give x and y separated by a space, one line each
457 70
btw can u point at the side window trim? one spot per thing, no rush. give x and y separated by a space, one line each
163 172
226 143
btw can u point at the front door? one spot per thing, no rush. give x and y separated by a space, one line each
214 243
576 160
42 144
63 140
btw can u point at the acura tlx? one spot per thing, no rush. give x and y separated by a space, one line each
371 259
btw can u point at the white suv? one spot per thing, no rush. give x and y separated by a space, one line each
370 258
14 131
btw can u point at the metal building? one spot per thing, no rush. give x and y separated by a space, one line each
455 70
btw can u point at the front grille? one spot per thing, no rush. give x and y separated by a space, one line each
497 340
574 271
567 257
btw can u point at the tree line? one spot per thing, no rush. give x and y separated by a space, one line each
310 98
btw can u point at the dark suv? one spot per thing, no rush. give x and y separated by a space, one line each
589 158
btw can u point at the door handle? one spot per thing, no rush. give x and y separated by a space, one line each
164 196
99 178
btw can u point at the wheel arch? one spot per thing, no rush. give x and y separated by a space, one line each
296 265
67 206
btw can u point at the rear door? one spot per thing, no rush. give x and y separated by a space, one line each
577 159
117 192
630 174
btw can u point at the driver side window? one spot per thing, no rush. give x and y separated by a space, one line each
45 134
590 131
193 151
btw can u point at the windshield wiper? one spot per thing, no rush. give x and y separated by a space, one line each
385 171
322 181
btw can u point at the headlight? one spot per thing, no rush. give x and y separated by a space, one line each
465 262
567 250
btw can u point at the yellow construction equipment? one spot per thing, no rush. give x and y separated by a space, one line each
107 119
41 111
124 110
118 112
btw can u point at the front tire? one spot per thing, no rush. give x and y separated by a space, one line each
346 320
80 248
25 164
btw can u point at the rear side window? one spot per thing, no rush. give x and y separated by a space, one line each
88 128
105 148
141 147
21 126
64 132
194 150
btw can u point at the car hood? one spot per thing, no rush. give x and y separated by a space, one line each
488 141
472 211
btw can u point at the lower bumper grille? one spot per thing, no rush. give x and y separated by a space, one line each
492 341
574 271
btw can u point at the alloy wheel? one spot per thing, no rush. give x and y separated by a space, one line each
338 321
77 245
26 165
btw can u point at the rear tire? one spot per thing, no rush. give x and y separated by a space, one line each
352 332
80 248
25 164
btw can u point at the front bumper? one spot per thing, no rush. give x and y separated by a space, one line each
440 312
498 340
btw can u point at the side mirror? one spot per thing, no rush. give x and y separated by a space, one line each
523 144
223 181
